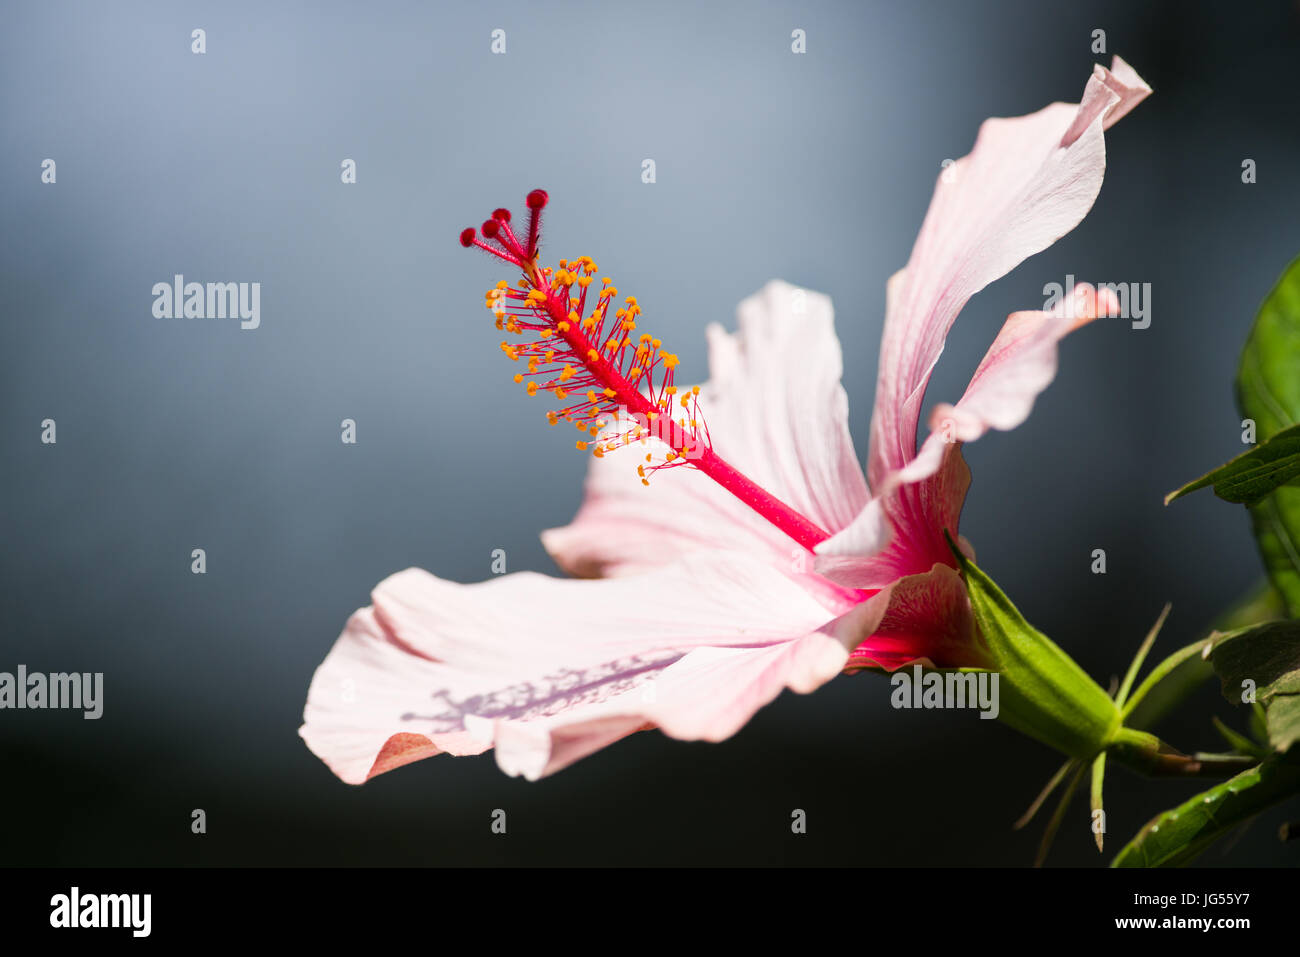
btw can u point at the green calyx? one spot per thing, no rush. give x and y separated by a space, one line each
1044 693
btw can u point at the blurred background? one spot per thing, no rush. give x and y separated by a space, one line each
816 168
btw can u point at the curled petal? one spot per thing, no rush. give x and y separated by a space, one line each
1019 365
1028 181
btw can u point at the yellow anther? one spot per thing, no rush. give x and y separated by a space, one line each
519 377
550 354
630 300
560 393
503 284
610 393
598 452
695 390
656 343
567 373
582 446
686 400
640 469
645 482
532 388
563 326
552 418
580 426
592 355
670 360
636 371
670 456
670 390
593 431
584 281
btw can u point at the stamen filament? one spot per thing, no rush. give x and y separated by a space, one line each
606 367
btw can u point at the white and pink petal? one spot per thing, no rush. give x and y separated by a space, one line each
436 666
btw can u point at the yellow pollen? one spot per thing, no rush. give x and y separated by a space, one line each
532 388
582 446
567 373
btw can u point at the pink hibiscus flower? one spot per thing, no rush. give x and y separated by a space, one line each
763 558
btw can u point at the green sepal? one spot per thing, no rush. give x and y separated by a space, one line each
1043 693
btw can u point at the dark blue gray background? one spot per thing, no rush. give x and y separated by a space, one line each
815 168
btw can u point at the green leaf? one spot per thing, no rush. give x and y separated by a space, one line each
1268 391
1175 678
1179 835
1284 721
1267 655
1253 474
